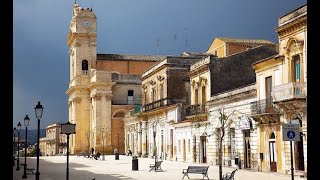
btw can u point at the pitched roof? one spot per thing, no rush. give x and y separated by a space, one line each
245 41
125 57
235 71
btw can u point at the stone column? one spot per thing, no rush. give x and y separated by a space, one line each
144 138
126 131
76 119
139 139
108 117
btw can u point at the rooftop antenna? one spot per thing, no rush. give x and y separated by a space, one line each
91 5
187 41
174 43
157 45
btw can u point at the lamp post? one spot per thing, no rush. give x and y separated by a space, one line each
26 124
18 160
14 145
38 110
68 129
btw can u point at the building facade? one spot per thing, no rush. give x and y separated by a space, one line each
281 95
54 142
166 90
102 87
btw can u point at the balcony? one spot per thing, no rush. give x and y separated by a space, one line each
84 72
293 90
264 111
195 109
291 96
157 104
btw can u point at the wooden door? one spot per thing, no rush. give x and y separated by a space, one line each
273 156
204 149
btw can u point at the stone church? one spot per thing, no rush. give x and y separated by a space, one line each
102 87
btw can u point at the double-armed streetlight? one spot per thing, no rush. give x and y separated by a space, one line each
14 145
26 124
18 160
38 110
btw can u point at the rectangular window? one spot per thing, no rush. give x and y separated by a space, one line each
233 142
130 97
296 68
277 76
179 146
261 87
189 145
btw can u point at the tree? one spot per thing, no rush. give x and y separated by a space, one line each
219 125
223 122
154 124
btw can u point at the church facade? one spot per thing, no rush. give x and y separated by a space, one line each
102 87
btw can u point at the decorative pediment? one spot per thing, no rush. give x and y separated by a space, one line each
294 46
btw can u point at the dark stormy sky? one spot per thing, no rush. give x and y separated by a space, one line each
41 55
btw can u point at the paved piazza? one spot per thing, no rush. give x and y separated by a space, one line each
54 168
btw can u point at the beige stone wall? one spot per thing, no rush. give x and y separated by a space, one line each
150 82
218 46
118 127
265 132
197 82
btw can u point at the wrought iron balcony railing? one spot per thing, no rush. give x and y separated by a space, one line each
293 90
157 104
263 107
195 109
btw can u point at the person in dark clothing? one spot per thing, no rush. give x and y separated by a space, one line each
129 153
92 151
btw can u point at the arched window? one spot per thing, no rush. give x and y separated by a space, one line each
196 96
84 67
272 136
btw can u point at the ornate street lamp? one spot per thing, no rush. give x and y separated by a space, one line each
18 160
14 145
26 124
38 110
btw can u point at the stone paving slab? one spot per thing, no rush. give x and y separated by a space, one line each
54 168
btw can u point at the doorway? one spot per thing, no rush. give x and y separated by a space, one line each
298 152
194 149
247 149
273 153
184 149
204 149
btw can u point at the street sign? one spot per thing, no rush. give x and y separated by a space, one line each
290 132
68 128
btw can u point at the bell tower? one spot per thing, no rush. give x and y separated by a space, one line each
82 40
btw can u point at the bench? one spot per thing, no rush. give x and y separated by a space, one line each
196 170
84 154
229 176
29 170
156 166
